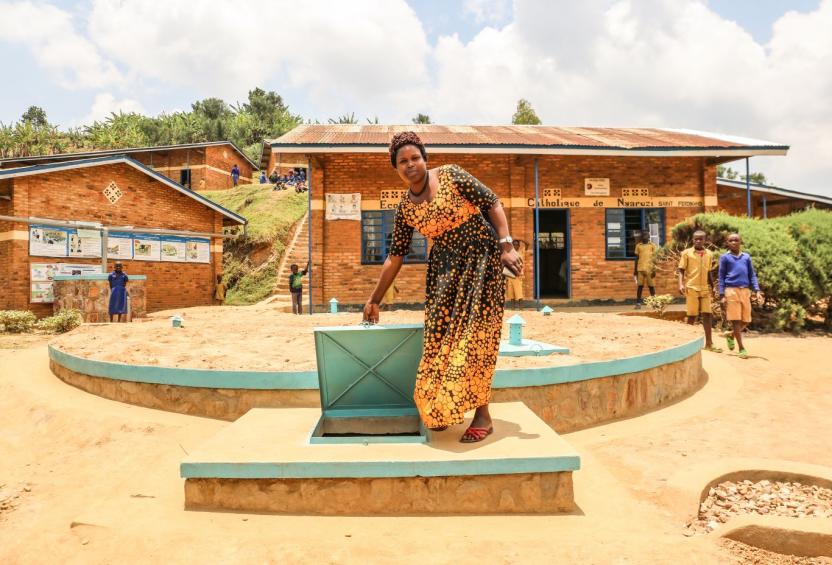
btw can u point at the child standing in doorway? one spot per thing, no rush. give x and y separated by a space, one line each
643 269
736 280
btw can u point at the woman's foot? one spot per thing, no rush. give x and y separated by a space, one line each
480 427
474 435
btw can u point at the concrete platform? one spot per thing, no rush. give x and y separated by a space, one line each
264 462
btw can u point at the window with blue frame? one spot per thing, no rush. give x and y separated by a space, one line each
377 236
625 225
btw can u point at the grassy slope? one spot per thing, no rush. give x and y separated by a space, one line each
271 216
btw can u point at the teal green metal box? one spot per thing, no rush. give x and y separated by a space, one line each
366 377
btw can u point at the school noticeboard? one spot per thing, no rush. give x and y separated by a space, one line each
48 241
41 276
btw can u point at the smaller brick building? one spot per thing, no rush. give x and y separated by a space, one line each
186 164
766 201
58 218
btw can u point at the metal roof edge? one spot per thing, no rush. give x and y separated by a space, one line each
774 190
713 151
127 160
744 141
125 150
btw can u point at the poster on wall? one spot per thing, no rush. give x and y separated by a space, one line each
597 187
198 251
174 248
654 235
84 243
78 269
42 292
343 206
43 272
48 241
120 245
147 248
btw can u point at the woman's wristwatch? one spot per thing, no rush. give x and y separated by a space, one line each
506 239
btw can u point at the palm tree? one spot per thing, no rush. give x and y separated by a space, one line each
345 119
421 119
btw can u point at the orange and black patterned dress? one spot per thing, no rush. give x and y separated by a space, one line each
464 296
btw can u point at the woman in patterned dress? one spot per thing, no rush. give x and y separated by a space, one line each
465 287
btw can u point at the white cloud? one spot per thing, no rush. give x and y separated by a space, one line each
71 59
487 11
653 63
357 56
105 104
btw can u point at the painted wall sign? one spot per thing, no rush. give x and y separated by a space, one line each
618 202
389 199
597 187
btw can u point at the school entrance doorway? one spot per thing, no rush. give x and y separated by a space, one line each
553 235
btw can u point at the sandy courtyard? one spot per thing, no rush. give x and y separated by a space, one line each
90 480
263 339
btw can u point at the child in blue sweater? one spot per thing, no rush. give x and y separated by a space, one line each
736 280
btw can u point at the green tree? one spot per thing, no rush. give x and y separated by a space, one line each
214 117
36 116
421 119
757 178
525 114
270 117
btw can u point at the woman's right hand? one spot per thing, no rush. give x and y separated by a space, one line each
371 312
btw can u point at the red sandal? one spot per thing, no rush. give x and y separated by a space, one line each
474 435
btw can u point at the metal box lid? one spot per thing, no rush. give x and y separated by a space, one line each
368 370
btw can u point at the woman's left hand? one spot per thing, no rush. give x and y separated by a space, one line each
513 261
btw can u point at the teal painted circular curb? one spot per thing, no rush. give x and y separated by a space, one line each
308 380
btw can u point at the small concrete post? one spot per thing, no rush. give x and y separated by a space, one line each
515 330
333 306
547 311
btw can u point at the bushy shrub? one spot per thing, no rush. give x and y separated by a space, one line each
61 322
659 303
792 256
16 321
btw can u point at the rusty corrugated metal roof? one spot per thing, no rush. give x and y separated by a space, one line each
311 136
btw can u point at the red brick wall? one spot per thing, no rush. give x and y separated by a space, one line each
337 268
5 246
77 195
223 157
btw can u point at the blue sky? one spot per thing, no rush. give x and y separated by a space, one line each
721 65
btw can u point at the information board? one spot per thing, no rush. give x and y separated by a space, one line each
48 241
198 251
343 206
173 249
147 248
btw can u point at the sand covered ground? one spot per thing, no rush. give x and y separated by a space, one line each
89 480
263 339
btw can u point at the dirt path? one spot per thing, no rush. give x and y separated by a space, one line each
103 486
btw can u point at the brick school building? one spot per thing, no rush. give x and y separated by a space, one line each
597 190
186 164
58 218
